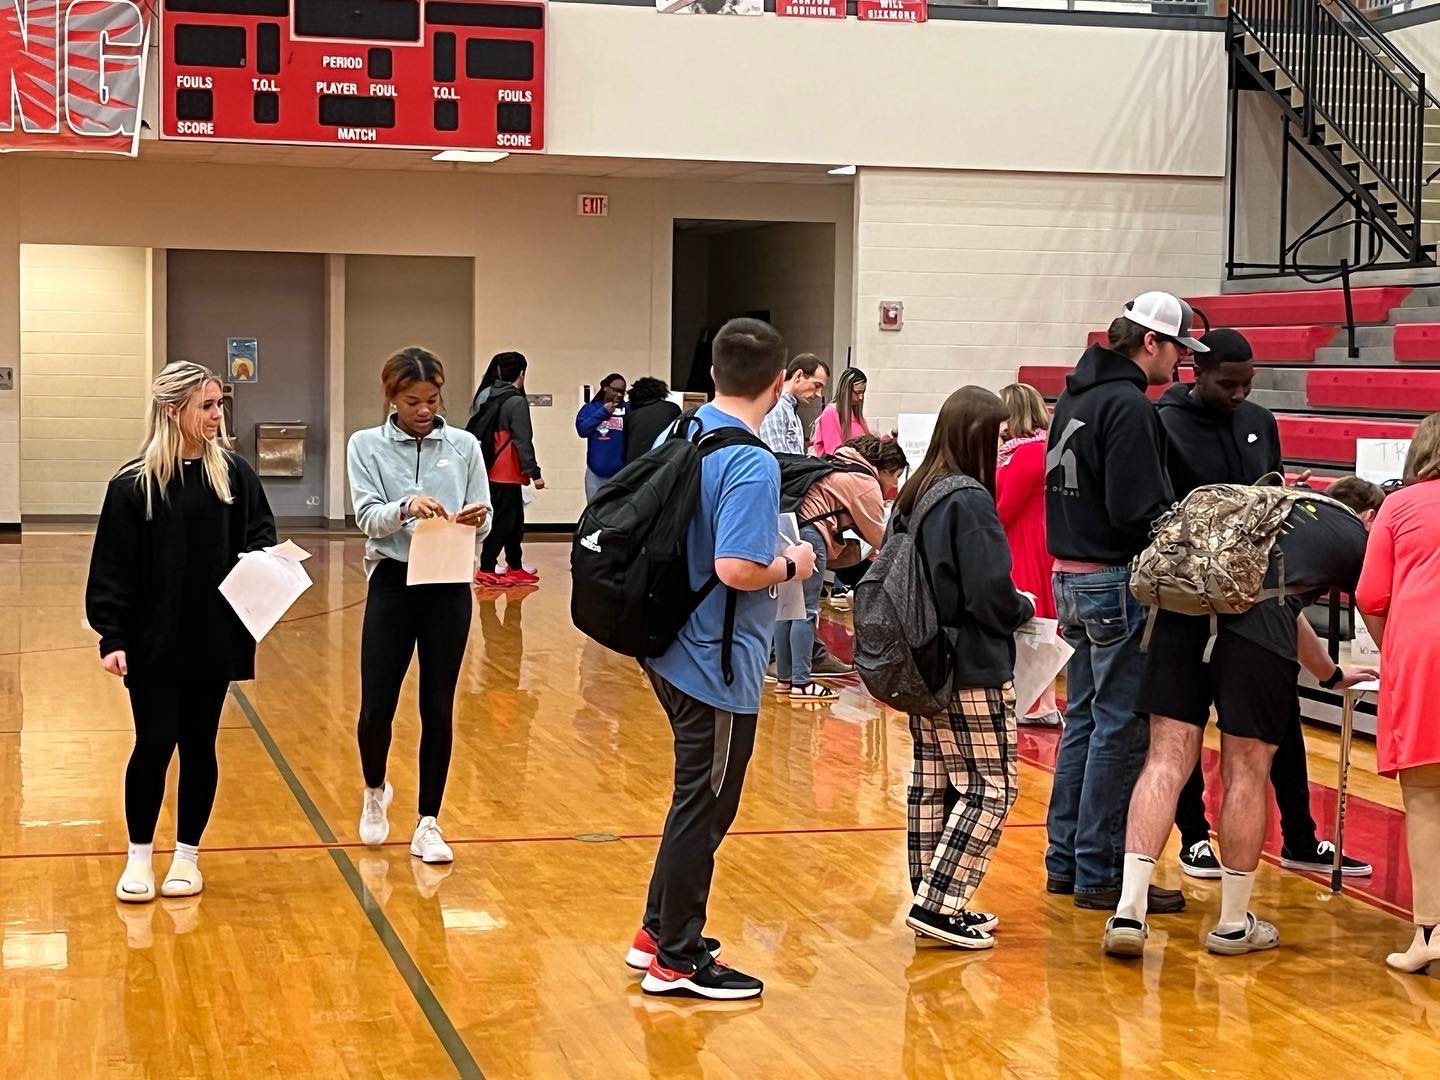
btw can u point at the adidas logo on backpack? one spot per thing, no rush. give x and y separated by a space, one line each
591 542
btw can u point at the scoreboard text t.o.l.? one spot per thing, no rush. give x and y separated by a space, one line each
418 74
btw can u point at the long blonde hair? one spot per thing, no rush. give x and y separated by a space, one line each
846 412
164 445
1027 410
1423 460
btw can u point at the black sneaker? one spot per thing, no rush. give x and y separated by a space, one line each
643 950
714 981
1199 861
830 666
961 930
1161 901
1321 860
1060 886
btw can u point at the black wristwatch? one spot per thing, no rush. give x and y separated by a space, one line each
1335 678
789 568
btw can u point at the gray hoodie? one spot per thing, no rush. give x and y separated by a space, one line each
387 466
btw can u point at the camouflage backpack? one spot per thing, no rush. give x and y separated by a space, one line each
1210 552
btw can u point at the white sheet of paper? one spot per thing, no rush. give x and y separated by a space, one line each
1040 655
789 595
914 431
441 553
1379 460
1369 686
1363 649
265 584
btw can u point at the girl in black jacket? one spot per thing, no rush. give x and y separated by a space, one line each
173 525
964 778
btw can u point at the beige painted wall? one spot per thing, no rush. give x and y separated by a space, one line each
789 269
998 270
84 351
1422 44
579 296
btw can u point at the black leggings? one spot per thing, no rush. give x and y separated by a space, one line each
186 715
397 619
506 528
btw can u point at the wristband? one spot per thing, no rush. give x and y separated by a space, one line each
789 567
1336 677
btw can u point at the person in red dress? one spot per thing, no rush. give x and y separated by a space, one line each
1020 499
1399 596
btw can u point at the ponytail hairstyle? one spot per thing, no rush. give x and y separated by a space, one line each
167 430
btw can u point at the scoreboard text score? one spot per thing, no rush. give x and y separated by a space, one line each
407 74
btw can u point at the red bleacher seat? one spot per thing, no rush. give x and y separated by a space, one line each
1418 343
1050 380
1393 389
1372 305
1332 439
1273 344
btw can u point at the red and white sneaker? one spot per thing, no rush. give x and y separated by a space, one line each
521 577
714 981
643 950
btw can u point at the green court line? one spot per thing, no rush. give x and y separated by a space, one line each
440 1021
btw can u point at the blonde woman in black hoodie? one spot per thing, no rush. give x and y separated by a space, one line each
971 748
174 523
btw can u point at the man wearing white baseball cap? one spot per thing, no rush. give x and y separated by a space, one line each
1105 484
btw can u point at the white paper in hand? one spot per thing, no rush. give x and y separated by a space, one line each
790 595
441 553
265 584
1040 655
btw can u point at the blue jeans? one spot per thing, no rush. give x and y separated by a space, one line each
1105 740
795 639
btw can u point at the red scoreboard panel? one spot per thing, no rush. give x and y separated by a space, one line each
411 74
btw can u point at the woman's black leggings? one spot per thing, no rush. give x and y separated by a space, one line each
183 715
398 619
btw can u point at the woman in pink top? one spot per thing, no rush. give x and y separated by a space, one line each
1399 595
844 418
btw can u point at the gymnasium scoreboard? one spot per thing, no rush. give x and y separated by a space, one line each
404 74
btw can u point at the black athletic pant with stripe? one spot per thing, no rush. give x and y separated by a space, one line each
712 751
399 619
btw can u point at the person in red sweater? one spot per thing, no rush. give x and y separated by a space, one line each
1020 500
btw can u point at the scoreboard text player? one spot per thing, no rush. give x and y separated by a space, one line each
409 74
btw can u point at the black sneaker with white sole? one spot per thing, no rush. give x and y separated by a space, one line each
714 981
1321 860
643 950
968 930
1199 861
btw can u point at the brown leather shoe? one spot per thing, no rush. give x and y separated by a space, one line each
1162 901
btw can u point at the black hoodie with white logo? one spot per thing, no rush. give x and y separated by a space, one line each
1212 446
1105 478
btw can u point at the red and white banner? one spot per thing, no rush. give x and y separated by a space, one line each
810 9
71 74
905 11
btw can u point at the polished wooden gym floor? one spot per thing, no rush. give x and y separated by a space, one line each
309 955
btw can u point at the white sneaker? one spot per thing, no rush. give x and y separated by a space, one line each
1256 935
429 844
374 825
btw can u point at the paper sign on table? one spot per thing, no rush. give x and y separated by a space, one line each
1040 655
264 585
441 553
789 594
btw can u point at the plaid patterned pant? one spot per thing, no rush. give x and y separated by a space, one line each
963 784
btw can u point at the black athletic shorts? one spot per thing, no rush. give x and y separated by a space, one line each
1253 689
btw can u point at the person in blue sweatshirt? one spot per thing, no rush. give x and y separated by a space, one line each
601 422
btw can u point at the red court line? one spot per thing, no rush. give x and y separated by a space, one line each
1373 831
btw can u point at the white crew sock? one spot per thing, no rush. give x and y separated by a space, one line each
188 851
138 859
1235 888
142 853
1135 887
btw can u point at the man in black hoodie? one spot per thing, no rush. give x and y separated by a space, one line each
1217 436
1105 484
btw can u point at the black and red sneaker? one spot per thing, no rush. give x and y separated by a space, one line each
643 950
714 981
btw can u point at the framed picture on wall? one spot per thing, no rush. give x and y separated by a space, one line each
242 359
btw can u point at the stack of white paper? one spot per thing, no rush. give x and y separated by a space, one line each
790 595
264 585
1040 655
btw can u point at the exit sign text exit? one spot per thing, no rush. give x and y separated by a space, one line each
594 205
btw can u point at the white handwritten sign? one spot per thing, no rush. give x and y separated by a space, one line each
1379 460
913 434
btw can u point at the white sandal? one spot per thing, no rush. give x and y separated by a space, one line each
183 879
136 874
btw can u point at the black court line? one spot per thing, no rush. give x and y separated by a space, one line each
439 1020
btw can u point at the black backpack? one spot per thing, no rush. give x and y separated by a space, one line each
630 578
800 472
485 424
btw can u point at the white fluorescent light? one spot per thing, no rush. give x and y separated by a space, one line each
476 157
843 170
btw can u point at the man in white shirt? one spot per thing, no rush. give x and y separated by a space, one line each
805 380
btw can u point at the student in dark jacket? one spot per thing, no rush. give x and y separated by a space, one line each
502 420
650 412
1105 483
1216 435
601 423
970 749
173 525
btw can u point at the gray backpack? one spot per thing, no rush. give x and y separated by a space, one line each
902 652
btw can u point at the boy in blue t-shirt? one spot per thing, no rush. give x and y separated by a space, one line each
711 709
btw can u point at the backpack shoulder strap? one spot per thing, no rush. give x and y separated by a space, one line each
937 491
